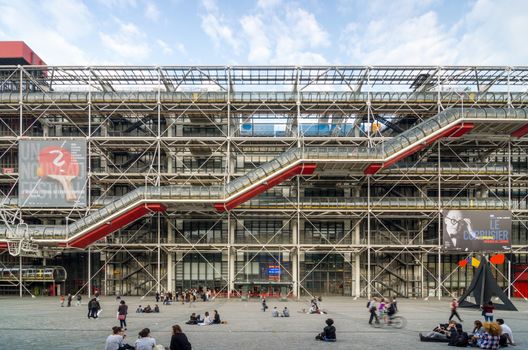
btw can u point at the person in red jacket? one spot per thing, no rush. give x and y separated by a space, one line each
487 311
454 312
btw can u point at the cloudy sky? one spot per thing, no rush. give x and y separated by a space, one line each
173 32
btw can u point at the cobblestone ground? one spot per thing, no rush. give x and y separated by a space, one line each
42 324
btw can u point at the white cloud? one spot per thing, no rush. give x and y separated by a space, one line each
219 32
42 29
72 18
490 33
415 40
128 42
494 33
119 3
169 49
210 6
266 4
152 12
298 38
259 45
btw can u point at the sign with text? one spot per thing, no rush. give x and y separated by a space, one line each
477 230
52 174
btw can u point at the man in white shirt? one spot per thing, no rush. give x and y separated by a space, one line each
506 332
275 312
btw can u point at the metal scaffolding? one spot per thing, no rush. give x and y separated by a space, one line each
390 148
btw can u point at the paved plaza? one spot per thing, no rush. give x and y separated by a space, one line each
42 324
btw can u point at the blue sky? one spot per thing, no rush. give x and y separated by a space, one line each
179 32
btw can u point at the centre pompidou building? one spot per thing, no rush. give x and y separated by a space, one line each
268 179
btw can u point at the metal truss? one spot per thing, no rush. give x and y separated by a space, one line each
156 126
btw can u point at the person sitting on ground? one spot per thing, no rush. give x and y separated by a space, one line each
476 335
440 333
139 309
193 319
329 332
274 312
285 312
156 308
179 340
506 337
206 321
458 337
115 340
147 309
216 319
145 341
491 336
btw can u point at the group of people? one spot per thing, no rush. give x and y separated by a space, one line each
147 309
382 309
69 298
207 320
275 312
116 340
485 335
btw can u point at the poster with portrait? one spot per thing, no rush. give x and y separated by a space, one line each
52 173
477 230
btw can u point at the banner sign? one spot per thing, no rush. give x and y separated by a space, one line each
477 230
52 174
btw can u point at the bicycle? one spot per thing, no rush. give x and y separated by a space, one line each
397 322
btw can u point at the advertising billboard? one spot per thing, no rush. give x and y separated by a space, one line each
477 230
52 173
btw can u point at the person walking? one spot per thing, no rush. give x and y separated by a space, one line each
157 297
454 312
79 298
371 305
179 340
264 306
122 312
70 298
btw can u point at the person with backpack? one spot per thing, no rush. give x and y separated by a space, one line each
93 308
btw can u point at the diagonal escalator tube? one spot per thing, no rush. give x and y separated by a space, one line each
317 154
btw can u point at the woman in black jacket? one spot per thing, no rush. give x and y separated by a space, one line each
179 339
